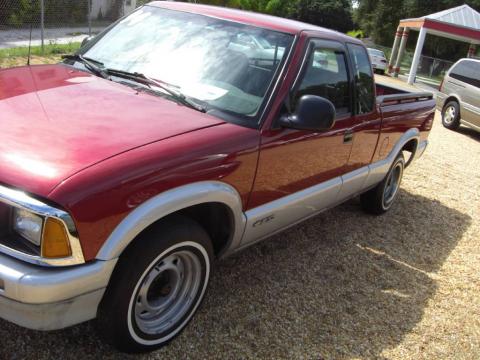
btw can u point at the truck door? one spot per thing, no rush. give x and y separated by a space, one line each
293 162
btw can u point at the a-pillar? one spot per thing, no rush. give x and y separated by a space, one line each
416 56
396 44
471 50
401 51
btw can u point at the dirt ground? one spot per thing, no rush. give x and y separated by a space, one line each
343 285
7 62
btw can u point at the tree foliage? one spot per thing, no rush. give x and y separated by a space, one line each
333 14
23 13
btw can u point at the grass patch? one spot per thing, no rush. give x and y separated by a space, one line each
49 49
52 54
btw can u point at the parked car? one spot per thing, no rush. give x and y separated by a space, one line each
257 49
379 60
156 149
459 95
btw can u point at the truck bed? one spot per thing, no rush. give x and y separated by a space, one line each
392 91
387 86
402 106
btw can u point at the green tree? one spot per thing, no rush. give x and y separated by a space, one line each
19 13
275 7
332 14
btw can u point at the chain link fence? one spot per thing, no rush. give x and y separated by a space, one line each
57 21
430 70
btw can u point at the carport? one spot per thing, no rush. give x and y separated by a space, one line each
461 23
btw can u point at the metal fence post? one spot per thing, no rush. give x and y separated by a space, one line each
42 23
89 7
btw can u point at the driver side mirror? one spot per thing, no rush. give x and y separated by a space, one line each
86 40
313 113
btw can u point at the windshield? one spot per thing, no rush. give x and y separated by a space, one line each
224 65
376 52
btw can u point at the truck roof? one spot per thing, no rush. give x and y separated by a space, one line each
251 18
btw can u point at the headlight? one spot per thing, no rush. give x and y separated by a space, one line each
28 225
50 229
49 234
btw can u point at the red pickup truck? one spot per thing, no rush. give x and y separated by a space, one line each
181 134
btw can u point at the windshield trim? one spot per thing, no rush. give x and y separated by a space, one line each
276 83
254 121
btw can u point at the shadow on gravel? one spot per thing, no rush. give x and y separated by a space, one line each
344 284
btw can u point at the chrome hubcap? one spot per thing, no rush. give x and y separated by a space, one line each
167 292
392 185
449 115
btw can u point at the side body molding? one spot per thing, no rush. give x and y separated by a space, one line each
169 202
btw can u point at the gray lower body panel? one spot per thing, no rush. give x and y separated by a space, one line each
470 125
267 219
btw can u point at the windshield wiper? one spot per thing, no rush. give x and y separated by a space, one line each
149 82
89 64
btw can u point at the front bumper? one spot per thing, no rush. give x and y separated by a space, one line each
45 298
379 66
440 100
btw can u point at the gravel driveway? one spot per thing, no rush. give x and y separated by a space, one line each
342 285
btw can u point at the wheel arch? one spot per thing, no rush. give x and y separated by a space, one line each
408 142
379 169
198 201
451 97
410 146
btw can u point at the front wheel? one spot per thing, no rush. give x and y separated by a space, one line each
157 286
381 198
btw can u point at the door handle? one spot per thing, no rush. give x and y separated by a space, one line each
348 137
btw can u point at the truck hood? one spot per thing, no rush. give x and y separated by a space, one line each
56 121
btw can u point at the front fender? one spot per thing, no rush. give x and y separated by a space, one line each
169 202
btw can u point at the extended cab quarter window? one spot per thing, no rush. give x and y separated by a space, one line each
326 76
364 83
467 71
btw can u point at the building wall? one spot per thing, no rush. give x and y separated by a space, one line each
100 8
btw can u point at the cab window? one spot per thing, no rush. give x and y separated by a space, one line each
326 76
363 76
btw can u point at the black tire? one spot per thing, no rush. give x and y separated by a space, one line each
380 199
451 115
147 264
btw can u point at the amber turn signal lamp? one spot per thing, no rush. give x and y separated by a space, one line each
55 243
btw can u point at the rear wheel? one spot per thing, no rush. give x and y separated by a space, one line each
381 198
157 286
451 115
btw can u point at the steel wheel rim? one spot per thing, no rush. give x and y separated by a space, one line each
449 115
167 292
392 185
